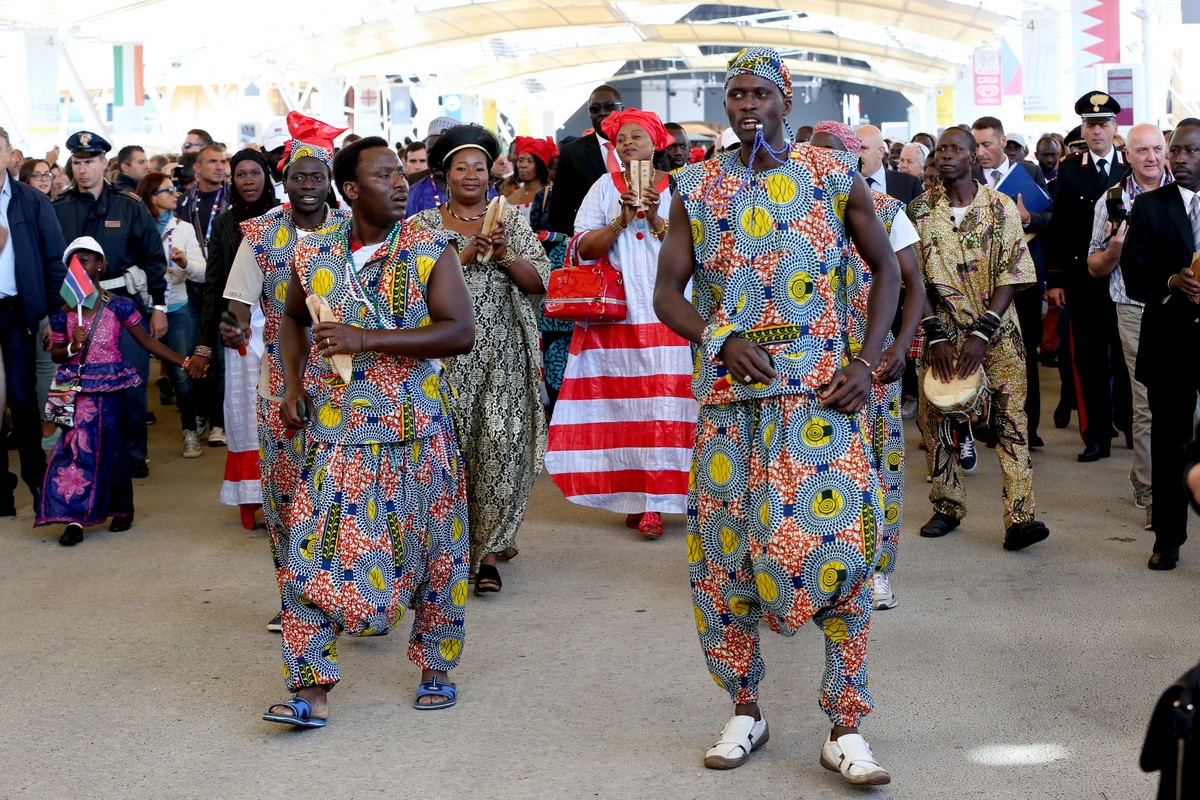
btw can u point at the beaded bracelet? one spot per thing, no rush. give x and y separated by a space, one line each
203 351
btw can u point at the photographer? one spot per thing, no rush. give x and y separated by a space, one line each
1147 172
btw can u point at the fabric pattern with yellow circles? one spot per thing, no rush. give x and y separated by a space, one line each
272 239
885 426
374 527
767 246
388 292
783 524
380 508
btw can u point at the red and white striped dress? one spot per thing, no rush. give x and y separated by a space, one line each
622 431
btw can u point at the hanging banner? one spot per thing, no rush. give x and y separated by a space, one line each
41 78
129 90
1011 76
1042 79
987 77
1095 38
1120 88
945 106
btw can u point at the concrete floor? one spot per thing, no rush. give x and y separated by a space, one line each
141 666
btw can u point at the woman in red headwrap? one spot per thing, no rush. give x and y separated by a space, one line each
621 434
532 196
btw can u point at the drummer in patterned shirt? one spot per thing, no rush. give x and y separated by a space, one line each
973 259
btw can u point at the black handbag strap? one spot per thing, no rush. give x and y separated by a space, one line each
83 354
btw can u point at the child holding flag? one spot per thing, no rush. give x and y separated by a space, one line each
88 478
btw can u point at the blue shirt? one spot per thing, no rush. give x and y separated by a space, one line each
8 261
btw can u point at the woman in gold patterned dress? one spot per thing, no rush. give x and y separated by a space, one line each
501 421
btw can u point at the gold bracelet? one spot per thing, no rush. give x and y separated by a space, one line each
509 259
661 234
857 357
615 224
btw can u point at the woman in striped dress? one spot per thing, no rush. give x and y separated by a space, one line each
623 427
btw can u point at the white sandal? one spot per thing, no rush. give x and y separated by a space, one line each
741 736
851 756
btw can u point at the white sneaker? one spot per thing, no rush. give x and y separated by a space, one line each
191 445
741 736
882 592
216 437
851 756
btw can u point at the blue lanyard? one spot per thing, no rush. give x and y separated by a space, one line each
212 212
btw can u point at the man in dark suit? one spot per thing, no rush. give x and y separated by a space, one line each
584 160
1095 343
900 185
1164 232
31 273
997 168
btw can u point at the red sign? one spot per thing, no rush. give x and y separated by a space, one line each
987 79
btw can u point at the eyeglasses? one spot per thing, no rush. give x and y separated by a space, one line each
37 176
166 191
596 108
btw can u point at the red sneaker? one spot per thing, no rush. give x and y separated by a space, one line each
651 524
633 521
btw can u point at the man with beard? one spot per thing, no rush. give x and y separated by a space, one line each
584 160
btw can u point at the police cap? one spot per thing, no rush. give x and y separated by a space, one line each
86 143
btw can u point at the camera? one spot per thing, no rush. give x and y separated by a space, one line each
1117 214
182 176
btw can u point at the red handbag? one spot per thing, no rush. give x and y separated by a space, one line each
584 292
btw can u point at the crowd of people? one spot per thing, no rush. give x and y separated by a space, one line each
361 326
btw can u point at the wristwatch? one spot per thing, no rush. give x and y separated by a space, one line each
161 308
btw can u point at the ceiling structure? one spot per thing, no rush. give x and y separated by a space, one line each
500 46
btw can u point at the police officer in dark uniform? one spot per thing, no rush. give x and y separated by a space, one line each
136 263
1096 346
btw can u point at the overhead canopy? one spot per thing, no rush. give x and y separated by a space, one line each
895 44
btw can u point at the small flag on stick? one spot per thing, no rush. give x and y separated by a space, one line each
78 289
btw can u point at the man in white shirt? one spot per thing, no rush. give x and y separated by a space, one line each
1146 149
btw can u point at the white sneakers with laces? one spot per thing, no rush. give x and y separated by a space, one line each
216 437
191 445
881 592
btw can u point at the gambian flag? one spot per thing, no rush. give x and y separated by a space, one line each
78 287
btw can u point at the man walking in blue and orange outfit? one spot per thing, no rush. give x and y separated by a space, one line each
784 509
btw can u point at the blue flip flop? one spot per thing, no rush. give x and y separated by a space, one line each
435 688
301 716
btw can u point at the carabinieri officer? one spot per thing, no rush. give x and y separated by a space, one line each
1096 347
137 265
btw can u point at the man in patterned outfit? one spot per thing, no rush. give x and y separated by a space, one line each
784 507
973 259
258 280
379 518
887 429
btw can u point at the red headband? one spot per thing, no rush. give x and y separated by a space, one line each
544 149
647 120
